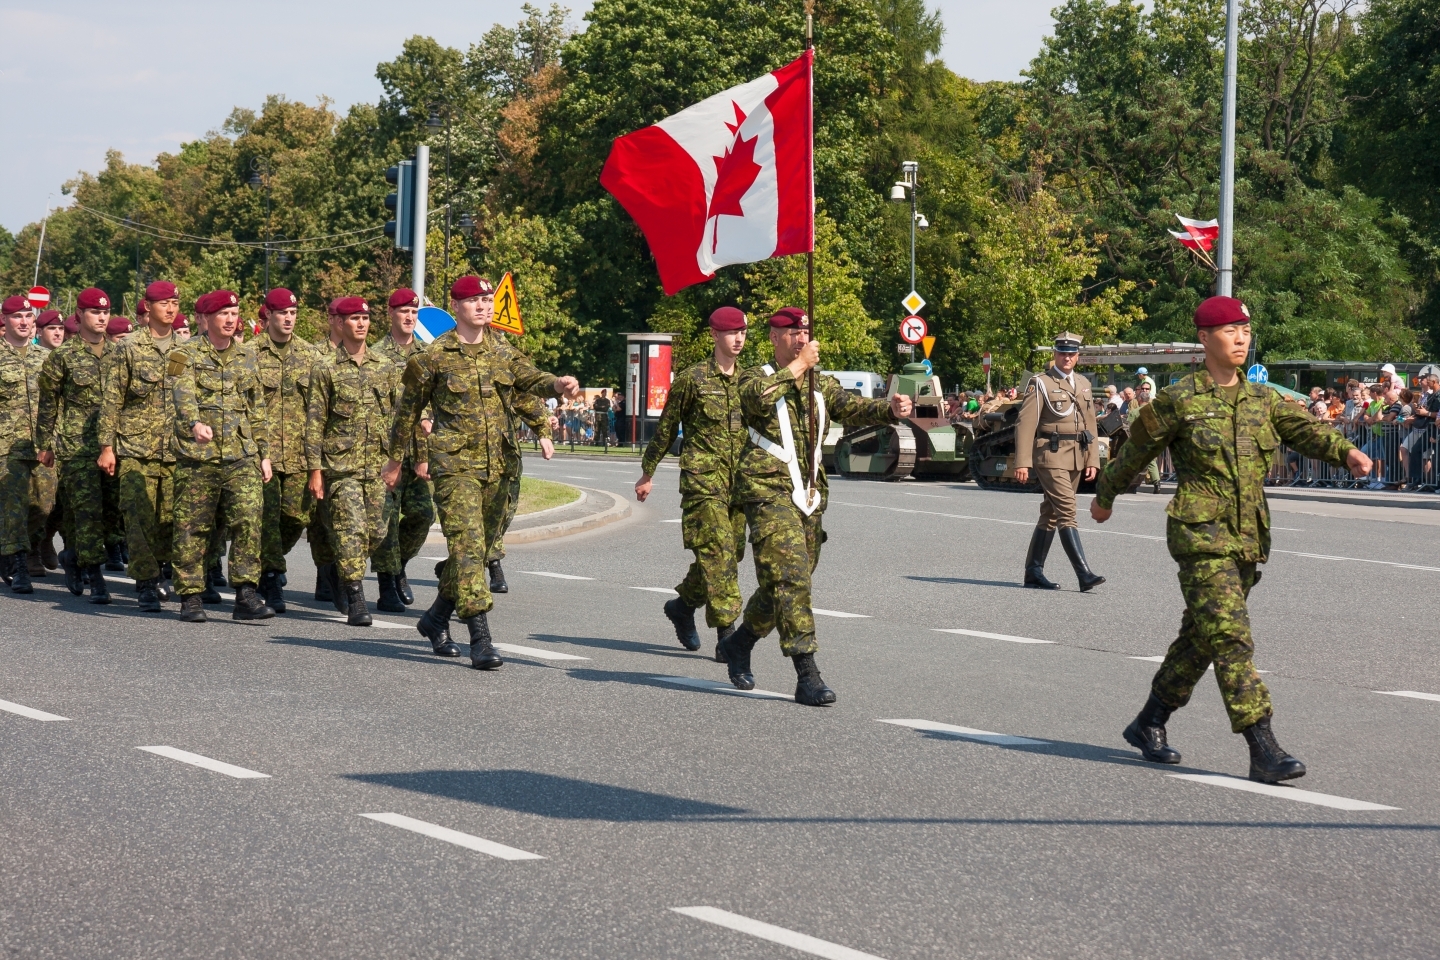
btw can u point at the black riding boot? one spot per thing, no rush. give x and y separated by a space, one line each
734 652
20 575
402 587
810 690
211 594
682 618
99 589
497 577
192 610
1035 577
1269 763
272 590
1070 540
390 600
71 565
149 596
482 648
249 605
358 613
434 625
1146 733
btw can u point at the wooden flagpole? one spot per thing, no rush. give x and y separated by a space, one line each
810 258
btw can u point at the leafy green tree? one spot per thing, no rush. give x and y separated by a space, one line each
528 248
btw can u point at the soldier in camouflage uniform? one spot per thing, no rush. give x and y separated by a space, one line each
412 508
44 485
19 405
469 379
347 442
222 457
704 401
137 423
531 411
1222 433
67 433
285 361
319 533
782 484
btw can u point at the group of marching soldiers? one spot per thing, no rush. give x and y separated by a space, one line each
152 451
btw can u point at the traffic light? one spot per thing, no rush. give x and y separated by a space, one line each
402 204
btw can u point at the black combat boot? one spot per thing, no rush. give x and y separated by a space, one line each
810 690
192 609
114 558
20 575
99 589
482 649
434 625
1070 540
7 563
48 556
216 575
357 612
335 588
34 565
273 591
682 617
249 605
71 565
149 596
322 585
1035 577
734 652
1146 733
211 594
402 587
720 634
497 578
390 600
1269 763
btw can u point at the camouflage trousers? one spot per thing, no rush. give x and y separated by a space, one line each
1215 629
44 515
15 505
463 502
411 511
504 515
147 498
787 549
210 496
359 516
289 508
320 535
715 532
92 510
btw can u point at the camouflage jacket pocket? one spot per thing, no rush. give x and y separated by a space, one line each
1194 507
145 380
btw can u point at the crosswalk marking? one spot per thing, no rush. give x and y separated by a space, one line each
470 842
1410 693
30 712
994 636
557 576
1285 793
536 652
196 760
768 931
966 733
715 686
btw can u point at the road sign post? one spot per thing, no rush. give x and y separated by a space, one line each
985 362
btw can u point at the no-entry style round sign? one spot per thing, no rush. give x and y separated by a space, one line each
912 329
39 297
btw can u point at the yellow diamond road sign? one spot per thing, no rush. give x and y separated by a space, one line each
913 302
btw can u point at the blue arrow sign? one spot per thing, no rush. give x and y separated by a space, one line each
1257 374
929 368
431 323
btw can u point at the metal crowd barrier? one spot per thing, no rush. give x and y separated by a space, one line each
1404 458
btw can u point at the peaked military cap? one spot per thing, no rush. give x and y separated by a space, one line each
1068 342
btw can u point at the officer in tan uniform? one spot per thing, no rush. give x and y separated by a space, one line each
1055 437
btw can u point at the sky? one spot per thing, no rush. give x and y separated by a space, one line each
146 75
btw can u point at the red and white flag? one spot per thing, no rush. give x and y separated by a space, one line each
1199 234
729 180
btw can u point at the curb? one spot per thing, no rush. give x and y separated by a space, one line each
612 458
618 509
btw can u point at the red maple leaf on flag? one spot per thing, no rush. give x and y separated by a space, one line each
735 173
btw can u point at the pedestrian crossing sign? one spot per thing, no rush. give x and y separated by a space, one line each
507 308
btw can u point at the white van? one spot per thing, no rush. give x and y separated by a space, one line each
860 382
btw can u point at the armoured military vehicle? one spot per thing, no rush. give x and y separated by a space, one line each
925 445
992 456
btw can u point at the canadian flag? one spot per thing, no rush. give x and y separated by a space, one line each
729 180
1198 235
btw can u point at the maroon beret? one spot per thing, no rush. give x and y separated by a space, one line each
467 287
118 326
280 299
220 299
345 306
92 298
15 304
264 314
1221 312
790 317
72 325
161 290
727 318
180 321
404 297
50 318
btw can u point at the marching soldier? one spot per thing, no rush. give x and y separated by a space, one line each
1222 433
704 402
1055 437
347 442
137 424
51 328
782 484
19 405
531 411
222 461
413 508
469 380
320 534
67 433
44 512
285 361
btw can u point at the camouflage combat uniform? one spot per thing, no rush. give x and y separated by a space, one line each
531 411
412 508
319 533
19 406
137 421
706 403
347 435
471 389
289 506
67 425
219 481
1219 523
786 542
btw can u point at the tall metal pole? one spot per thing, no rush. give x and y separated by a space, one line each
914 209
267 232
812 450
445 278
41 248
422 218
1224 282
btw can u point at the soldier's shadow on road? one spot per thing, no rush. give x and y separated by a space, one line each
966 580
610 643
1118 756
386 648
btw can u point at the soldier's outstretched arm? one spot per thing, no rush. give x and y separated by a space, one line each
758 389
851 410
677 405
1152 432
1300 431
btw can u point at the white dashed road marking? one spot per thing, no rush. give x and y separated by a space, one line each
767 931
1162 660
536 652
569 476
557 576
839 613
1389 693
994 636
30 712
1285 793
715 686
966 733
655 590
479 844
194 759
676 520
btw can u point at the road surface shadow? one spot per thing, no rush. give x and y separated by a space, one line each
385 648
629 646
973 583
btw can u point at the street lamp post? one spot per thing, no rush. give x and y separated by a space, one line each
909 187
259 166
1224 284
434 124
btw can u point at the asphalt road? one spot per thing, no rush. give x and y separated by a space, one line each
595 790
